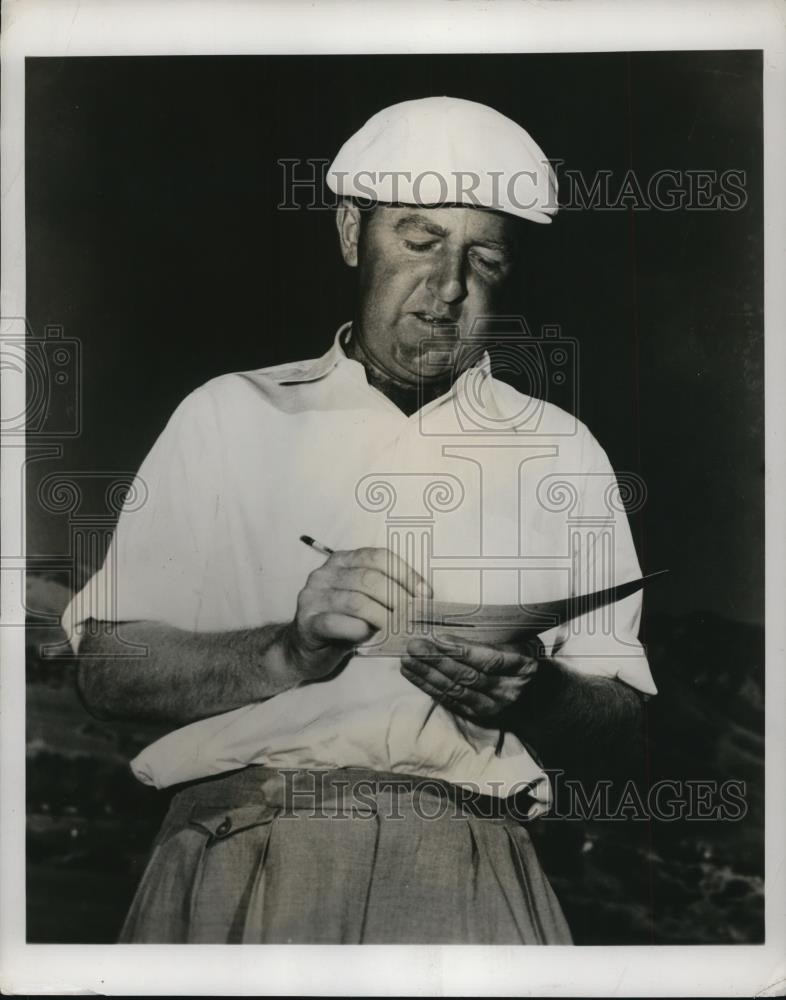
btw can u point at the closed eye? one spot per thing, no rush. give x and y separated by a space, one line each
419 247
487 263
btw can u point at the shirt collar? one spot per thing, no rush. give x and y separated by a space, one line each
310 371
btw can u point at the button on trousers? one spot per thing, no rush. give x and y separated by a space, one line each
345 856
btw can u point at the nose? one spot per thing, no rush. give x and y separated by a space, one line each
446 280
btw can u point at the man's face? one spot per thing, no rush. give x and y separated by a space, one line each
425 273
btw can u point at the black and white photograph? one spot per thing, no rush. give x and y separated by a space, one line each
389 438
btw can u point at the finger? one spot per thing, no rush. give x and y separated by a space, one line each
334 627
424 684
386 562
468 702
532 648
456 671
481 658
495 694
502 688
373 583
356 605
488 659
448 686
445 680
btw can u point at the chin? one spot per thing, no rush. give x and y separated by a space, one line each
420 369
438 371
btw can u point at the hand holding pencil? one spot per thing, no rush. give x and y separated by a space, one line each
344 602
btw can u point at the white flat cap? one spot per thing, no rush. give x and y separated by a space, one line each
444 150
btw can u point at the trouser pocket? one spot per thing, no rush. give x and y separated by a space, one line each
199 871
228 865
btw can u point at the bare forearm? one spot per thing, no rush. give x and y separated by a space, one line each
180 676
574 720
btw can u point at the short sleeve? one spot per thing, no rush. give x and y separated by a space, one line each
603 642
155 567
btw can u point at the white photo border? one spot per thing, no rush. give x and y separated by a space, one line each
224 27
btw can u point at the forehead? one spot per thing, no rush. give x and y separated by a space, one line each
455 221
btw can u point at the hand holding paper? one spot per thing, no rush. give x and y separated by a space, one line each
494 624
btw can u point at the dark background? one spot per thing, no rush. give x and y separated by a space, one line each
154 241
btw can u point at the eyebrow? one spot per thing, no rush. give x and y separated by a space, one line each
419 222
423 224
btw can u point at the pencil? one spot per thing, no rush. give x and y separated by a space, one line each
318 546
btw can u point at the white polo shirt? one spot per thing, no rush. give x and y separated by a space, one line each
496 496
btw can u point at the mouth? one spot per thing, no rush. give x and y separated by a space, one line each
434 321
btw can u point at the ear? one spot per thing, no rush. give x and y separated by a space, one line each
348 225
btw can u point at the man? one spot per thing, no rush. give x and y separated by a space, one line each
421 474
